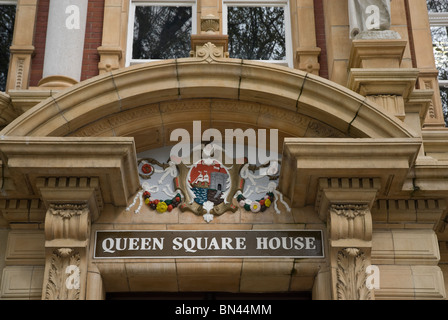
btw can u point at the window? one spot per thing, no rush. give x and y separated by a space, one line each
160 30
438 18
258 30
7 18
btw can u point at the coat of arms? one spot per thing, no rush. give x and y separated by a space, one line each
208 187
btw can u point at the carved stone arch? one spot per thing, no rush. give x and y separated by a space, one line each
146 101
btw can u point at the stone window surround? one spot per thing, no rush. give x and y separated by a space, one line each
22 47
9 2
115 33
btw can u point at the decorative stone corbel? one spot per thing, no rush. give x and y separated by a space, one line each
209 48
72 203
67 231
110 58
346 204
308 59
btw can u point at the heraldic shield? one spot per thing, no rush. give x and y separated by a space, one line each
208 183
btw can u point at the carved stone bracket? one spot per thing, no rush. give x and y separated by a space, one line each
110 58
346 204
67 233
350 248
308 59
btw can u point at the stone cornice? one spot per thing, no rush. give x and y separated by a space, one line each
305 160
112 161
235 79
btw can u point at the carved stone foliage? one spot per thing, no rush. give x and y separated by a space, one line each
210 52
63 275
351 275
66 211
349 211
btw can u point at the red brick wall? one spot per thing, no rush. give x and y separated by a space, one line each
93 39
320 37
40 35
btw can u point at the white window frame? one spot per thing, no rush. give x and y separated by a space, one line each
265 3
439 19
166 3
8 2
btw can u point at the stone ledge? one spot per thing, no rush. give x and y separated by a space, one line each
405 247
410 283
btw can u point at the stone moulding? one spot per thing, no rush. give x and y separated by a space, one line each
67 211
349 211
282 87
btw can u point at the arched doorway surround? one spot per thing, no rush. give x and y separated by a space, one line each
147 101
79 138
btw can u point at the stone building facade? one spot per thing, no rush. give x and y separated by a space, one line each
362 139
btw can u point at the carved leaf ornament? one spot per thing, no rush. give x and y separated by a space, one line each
57 288
350 211
351 275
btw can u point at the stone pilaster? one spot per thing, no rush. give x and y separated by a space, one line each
304 38
349 222
113 46
22 47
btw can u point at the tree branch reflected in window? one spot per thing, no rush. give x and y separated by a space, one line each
162 32
440 46
257 33
7 17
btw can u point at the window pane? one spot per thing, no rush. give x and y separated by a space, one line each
444 95
162 32
7 16
437 5
256 33
440 45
